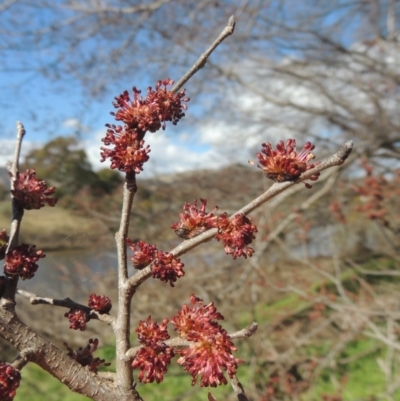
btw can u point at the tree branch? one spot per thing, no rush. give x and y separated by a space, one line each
336 159
202 60
67 303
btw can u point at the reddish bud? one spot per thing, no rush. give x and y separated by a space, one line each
128 154
167 267
9 381
31 193
194 220
21 261
100 303
211 351
84 356
236 233
77 319
140 115
144 253
155 355
284 163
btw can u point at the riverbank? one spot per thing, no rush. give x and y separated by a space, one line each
57 228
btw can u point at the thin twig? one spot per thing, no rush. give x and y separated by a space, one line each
336 159
202 60
13 170
179 342
125 290
238 389
17 214
66 303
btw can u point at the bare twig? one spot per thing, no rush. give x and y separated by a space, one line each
238 389
125 288
179 342
17 214
67 303
202 60
335 160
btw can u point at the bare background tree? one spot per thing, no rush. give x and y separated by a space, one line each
304 69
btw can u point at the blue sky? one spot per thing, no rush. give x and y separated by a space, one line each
50 107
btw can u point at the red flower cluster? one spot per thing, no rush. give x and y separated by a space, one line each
77 319
372 190
31 193
165 266
194 220
21 261
140 115
100 303
144 253
337 212
236 233
284 164
211 351
3 243
154 357
84 356
9 381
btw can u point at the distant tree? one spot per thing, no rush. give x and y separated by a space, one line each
109 180
65 165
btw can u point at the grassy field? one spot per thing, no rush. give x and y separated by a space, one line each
54 228
364 377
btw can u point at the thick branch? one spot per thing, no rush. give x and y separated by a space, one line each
56 362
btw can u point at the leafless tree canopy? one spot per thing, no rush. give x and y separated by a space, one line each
317 68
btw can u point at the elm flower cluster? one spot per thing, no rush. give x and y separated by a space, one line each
164 265
100 303
210 353
77 319
284 163
144 253
84 356
31 193
9 381
372 191
140 115
154 357
21 261
167 268
236 233
194 220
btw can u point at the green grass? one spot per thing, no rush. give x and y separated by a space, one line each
363 376
38 385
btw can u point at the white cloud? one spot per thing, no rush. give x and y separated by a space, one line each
73 123
7 150
168 155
